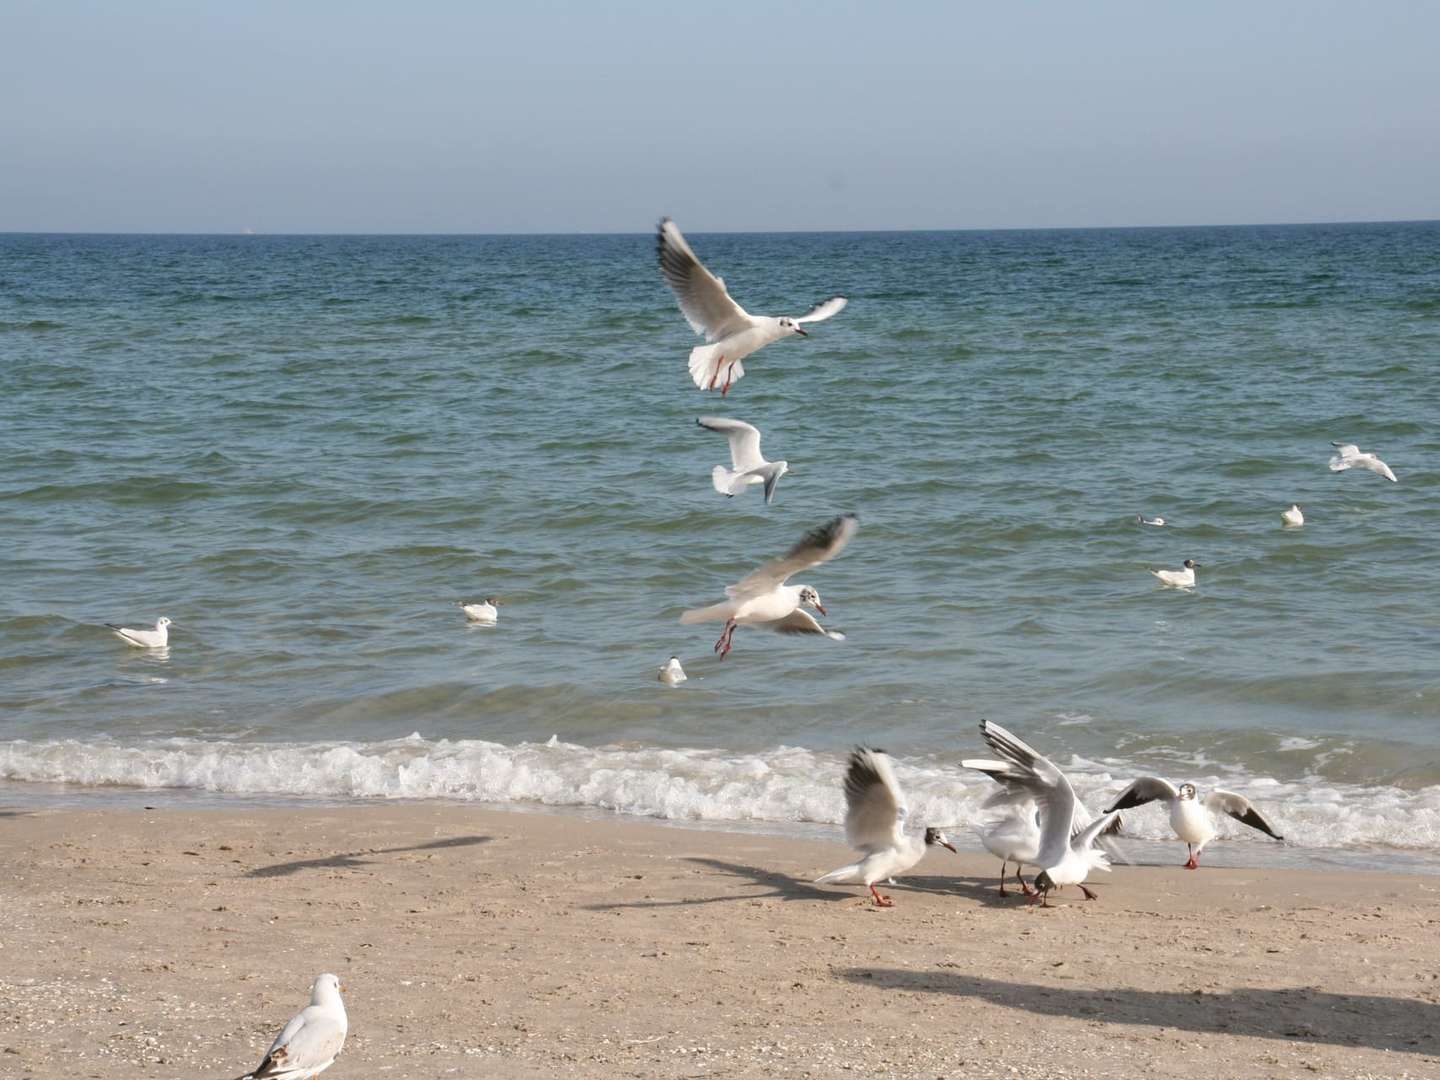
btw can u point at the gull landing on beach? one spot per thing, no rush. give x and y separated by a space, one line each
733 333
1349 456
158 638
1178 579
1189 817
875 814
763 599
311 1041
749 466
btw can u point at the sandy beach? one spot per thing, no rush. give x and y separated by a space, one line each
485 943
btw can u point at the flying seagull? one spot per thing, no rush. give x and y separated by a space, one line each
158 638
749 466
1189 817
1349 456
311 1041
875 815
732 332
762 598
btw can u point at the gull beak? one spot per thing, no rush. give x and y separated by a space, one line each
801 331
821 608
949 846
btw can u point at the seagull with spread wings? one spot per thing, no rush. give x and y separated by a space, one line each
1350 456
749 467
763 599
1189 817
731 331
311 1041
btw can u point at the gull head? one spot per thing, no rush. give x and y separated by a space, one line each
492 601
790 326
1191 564
326 987
163 621
935 836
1043 885
1187 791
812 598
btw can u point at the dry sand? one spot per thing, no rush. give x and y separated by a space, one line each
483 943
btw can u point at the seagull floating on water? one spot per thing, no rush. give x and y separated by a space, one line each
1178 579
1293 517
762 598
749 466
158 638
672 674
311 1041
1349 456
1189 817
1141 519
875 815
732 332
1067 851
484 613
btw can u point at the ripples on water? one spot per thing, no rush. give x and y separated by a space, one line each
304 450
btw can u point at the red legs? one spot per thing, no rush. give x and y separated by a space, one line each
1193 863
726 388
881 901
715 377
1003 864
1024 887
723 645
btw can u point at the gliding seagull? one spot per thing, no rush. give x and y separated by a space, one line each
749 466
1349 456
733 333
311 1041
1189 817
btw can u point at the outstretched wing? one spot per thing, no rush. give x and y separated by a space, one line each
819 545
1030 770
1241 809
703 299
1146 789
801 621
823 310
744 440
874 806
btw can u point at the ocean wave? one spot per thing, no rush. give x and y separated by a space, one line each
783 785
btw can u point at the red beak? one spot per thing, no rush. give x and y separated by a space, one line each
821 608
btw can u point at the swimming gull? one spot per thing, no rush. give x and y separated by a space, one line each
1349 456
158 638
483 613
749 466
732 332
311 1041
672 674
1141 519
763 599
1178 579
1293 517
875 815
1189 817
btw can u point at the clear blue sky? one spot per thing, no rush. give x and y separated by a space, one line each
325 116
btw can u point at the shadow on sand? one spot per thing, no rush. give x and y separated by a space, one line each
1301 1014
356 859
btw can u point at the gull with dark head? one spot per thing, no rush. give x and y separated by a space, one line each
1350 456
763 599
158 638
731 331
875 815
1189 817
1184 578
749 467
311 1041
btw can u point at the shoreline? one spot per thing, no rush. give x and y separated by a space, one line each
485 942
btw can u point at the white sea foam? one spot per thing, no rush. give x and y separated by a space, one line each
783 785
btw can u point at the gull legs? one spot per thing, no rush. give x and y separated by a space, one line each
1193 863
723 645
881 901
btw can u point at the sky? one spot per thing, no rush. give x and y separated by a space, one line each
440 116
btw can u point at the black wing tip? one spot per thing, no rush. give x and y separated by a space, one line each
113 626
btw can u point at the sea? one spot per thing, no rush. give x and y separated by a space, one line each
305 450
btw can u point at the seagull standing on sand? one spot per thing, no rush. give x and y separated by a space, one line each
1067 849
311 1041
1293 517
763 599
158 638
875 814
483 613
1349 456
1178 579
672 674
1189 817
749 466
732 332
1013 837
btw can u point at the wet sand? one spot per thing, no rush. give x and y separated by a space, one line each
484 943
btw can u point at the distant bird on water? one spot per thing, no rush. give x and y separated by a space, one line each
1141 519
672 674
1293 517
158 638
311 1041
1178 579
732 332
1349 456
483 613
749 466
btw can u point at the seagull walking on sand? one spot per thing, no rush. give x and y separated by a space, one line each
1189 817
1067 848
484 613
311 1041
763 599
672 674
1349 456
875 815
1293 517
1183 578
749 466
732 333
158 638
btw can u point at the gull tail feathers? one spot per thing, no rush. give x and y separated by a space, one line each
707 614
725 481
710 369
846 875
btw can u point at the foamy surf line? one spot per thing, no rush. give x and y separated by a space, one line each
782 786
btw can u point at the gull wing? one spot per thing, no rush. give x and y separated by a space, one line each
706 305
309 1042
1046 783
823 310
800 621
1146 789
1241 809
819 545
744 440
875 809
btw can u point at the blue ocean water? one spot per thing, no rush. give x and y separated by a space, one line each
304 450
